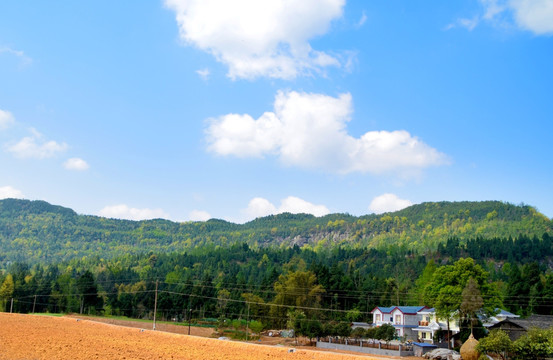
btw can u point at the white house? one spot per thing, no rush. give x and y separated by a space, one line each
498 317
403 318
429 324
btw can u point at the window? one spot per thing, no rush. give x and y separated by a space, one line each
424 335
376 317
398 319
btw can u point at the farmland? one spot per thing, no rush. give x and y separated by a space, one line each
44 337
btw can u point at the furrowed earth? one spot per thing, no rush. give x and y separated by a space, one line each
26 337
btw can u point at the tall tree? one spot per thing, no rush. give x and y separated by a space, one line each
445 290
471 302
6 291
297 289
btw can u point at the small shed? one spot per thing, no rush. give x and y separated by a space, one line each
422 348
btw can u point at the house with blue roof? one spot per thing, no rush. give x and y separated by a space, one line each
403 318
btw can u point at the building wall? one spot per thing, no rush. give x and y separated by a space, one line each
366 350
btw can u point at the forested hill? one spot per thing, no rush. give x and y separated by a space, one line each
38 232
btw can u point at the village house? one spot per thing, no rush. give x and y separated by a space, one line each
500 315
403 318
515 327
429 324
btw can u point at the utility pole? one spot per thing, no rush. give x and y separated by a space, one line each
247 321
189 319
34 304
11 307
155 306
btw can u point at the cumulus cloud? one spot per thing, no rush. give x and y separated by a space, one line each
259 207
76 164
7 192
6 119
309 131
123 211
259 38
199 215
35 146
535 16
388 203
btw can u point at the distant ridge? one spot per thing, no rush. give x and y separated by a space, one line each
38 232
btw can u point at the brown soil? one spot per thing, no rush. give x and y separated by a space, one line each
29 337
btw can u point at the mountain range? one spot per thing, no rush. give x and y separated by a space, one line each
39 232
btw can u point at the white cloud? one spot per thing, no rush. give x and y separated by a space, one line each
296 205
362 21
35 146
259 38
259 207
532 15
309 131
76 164
199 215
6 119
123 211
25 60
7 192
468 24
203 73
388 203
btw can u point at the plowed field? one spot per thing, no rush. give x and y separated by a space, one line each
42 337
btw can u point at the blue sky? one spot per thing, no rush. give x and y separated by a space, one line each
192 109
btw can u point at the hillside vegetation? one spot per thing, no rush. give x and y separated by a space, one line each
38 232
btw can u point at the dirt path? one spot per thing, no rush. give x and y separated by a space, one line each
26 337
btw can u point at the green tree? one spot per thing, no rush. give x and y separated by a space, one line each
297 289
353 315
358 333
6 291
386 332
256 326
536 344
88 292
496 343
343 329
223 296
471 302
424 279
445 290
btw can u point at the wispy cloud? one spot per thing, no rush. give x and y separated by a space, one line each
468 24
199 215
259 38
123 211
25 60
362 20
203 73
535 16
309 131
35 146
6 119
